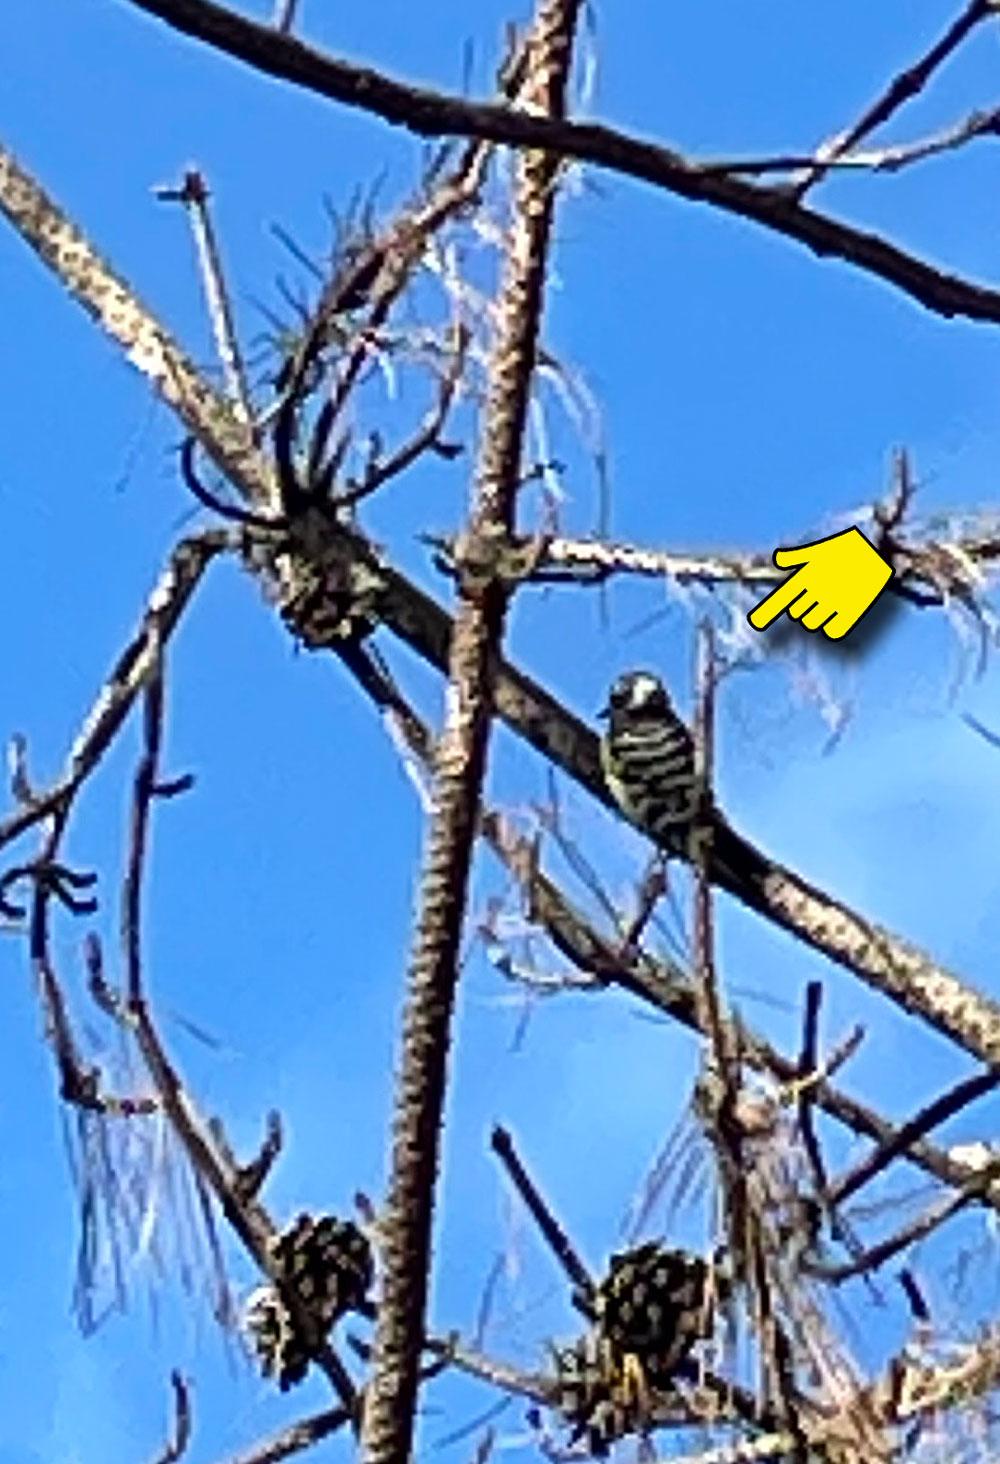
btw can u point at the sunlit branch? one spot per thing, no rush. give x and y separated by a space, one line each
194 195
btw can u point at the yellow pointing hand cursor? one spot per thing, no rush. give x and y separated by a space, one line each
839 578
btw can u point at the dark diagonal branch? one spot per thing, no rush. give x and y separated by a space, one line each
877 1255
559 1242
459 768
437 114
903 88
915 1128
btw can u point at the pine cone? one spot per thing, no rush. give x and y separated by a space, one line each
329 1264
653 1304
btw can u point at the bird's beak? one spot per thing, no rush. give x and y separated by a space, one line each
604 714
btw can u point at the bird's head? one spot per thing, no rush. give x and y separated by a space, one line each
637 694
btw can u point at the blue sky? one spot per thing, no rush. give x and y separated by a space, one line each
748 391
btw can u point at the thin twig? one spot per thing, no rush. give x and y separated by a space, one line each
187 562
211 1162
559 1242
876 160
651 889
145 778
426 438
877 1255
284 14
915 1128
194 195
180 1437
808 1068
295 1438
901 89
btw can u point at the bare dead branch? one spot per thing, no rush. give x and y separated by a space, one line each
295 1438
558 1241
177 583
917 1127
930 569
893 966
436 114
460 763
877 1255
194 195
594 561
712 1018
874 160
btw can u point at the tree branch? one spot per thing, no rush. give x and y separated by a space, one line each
893 966
187 563
436 114
460 764
908 84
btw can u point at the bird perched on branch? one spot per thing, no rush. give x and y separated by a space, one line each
648 758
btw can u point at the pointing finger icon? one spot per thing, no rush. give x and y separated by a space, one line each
835 581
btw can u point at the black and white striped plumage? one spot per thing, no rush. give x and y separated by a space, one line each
648 758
